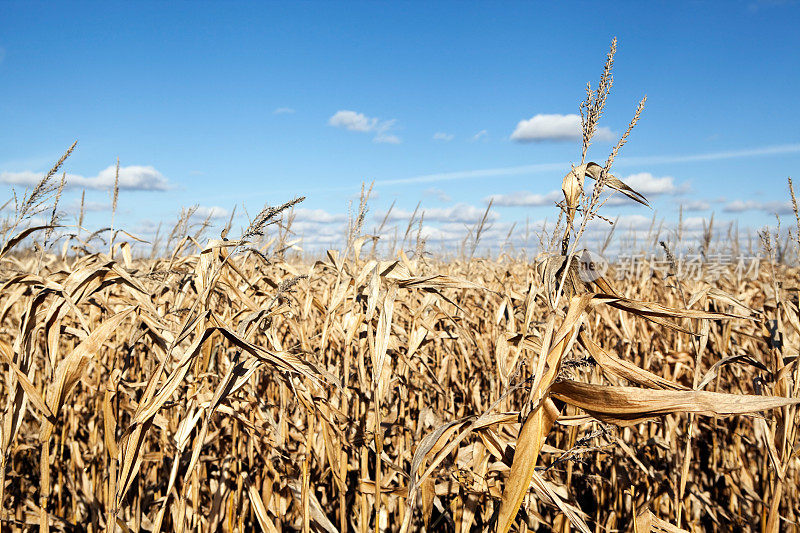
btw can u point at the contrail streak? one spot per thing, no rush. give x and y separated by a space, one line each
782 149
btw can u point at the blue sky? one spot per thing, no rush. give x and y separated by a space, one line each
223 104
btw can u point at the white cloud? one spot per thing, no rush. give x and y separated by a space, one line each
524 199
283 111
354 121
483 134
697 205
132 178
740 206
214 212
452 235
613 199
648 185
441 136
554 127
623 222
645 183
694 223
312 229
317 228
461 213
319 216
26 178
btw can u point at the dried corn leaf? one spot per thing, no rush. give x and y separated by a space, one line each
70 369
530 441
625 369
594 171
317 513
258 506
630 405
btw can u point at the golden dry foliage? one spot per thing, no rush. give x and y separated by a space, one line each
222 388
214 392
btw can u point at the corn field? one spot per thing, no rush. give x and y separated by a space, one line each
224 386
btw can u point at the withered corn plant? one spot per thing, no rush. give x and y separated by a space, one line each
574 301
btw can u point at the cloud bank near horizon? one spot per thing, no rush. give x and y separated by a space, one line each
131 178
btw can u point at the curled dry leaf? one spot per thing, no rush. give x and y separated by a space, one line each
593 170
626 406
